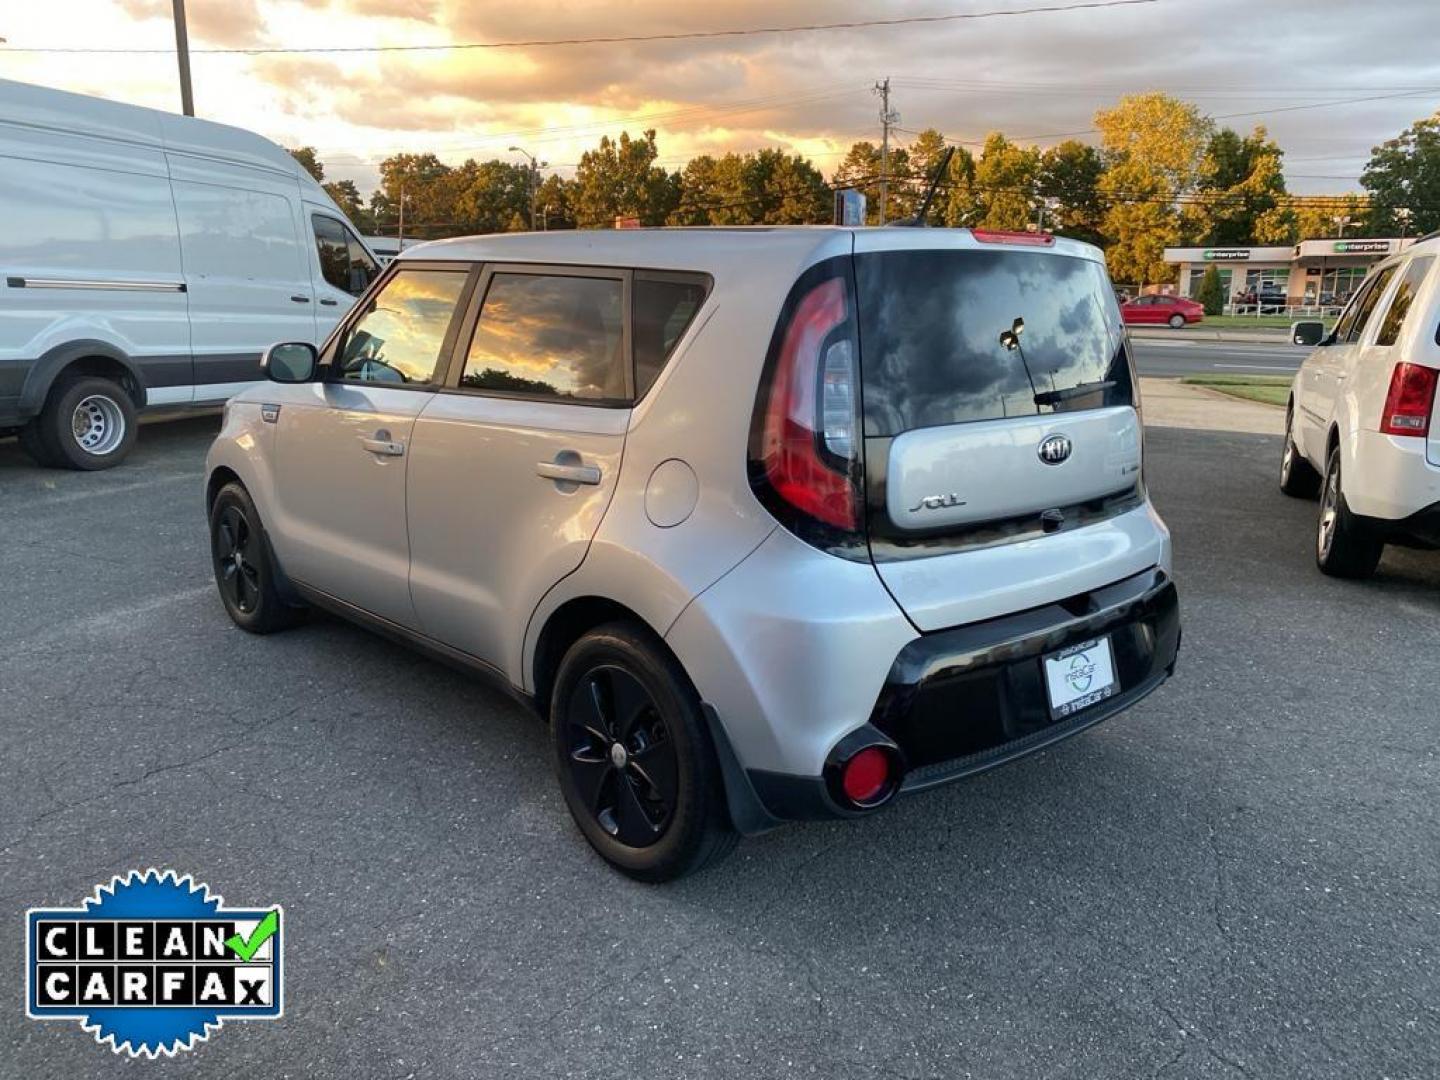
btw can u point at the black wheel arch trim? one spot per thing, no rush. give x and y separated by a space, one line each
53 362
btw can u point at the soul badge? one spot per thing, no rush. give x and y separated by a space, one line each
153 963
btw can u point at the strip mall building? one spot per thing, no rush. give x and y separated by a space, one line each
1320 273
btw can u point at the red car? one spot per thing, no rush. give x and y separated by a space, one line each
1174 311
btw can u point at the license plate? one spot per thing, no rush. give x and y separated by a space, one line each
1080 676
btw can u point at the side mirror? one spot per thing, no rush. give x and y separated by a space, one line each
1307 332
290 362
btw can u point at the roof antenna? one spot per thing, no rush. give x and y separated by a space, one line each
918 221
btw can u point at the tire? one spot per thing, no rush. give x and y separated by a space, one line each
1298 477
88 423
1344 546
634 759
244 572
1177 321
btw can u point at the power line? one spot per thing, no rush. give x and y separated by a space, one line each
851 24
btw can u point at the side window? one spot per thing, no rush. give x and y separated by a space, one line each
400 335
1347 317
662 308
344 262
546 335
1366 306
1405 292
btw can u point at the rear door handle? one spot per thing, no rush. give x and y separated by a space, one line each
329 303
300 299
383 447
571 474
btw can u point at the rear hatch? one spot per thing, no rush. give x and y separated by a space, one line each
1002 440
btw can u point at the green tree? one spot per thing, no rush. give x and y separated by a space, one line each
429 199
1212 292
619 178
555 202
861 168
305 155
1153 146
347 197
1241 195
1069 182
1404 174
1005 182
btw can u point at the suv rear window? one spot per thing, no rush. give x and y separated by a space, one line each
930 328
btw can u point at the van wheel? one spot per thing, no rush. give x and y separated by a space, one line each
1344 546
88 423
1298 477
241 560
634 758
1177 321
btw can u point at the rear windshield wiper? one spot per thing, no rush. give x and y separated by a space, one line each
1054 397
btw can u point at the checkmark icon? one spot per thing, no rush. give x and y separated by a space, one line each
246 948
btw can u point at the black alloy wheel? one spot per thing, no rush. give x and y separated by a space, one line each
622 757
236 569
244 571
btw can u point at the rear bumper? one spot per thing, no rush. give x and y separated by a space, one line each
960 701
1388 477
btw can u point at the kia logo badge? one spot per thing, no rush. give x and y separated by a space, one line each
1054 449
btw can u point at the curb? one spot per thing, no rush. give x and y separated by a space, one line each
1270 337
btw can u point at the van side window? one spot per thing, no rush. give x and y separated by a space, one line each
1366 306
1405 292
344 262
399 336
662 307
1347 317
550 336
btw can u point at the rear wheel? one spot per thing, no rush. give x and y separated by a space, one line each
1177 321
634 758
1298 477
88 423
1344 546
244 572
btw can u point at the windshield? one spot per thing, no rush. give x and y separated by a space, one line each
930 337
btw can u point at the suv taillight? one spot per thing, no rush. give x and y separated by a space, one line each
805 438
1410 400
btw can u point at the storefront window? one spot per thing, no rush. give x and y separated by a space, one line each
1277 280
1338 282
1197 276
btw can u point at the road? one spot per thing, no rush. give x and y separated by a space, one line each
1157 356
1235 878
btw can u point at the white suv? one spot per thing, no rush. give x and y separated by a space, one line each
768 523
1361 425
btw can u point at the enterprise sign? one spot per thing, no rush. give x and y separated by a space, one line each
1226 255
1362 247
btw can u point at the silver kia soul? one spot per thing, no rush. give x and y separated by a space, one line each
770 524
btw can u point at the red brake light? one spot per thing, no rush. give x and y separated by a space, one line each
807 444
1408 404
999 236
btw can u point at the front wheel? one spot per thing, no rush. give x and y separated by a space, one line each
1177 321
634 757
1298 477
244 572
1344 546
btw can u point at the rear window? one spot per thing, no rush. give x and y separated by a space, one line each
930 337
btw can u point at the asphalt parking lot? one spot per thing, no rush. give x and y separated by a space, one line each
1236 878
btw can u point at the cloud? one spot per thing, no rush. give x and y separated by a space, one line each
223 23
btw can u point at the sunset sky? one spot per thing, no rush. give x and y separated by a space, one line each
1030 76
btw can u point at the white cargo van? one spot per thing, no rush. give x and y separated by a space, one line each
146 261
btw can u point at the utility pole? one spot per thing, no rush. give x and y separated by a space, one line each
182 53
535 167
887 118
400 234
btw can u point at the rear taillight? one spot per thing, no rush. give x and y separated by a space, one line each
805 450
999 236
1410 400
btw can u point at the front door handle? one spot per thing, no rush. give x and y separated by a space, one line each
567 473
384 447
329 303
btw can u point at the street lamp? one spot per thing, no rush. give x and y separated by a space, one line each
535 167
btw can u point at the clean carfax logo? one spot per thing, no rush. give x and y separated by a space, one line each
152 963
